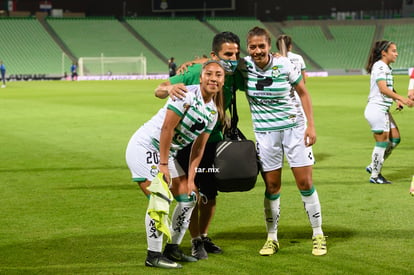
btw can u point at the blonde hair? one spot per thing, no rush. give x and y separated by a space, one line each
283 43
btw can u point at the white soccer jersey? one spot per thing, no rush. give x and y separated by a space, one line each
268 94
380 71
196 117
297 60
299 63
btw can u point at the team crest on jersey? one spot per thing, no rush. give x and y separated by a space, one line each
275 71
154 170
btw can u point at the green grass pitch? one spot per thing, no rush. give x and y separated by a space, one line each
68 205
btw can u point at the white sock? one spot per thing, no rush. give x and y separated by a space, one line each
154 237
181 220
272 214
377 160
313 209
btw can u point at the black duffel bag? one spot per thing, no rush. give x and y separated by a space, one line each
236 163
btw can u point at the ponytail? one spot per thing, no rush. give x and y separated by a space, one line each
376 53
283 43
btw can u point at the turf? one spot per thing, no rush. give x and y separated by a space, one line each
68 205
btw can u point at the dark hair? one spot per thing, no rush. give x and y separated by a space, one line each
218 98
257 31
375 53
224 37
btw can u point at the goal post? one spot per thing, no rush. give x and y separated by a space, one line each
128 65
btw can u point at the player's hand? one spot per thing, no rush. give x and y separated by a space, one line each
406 101
176 91
191 187
164 170
184 67
310 136
411 94
400 105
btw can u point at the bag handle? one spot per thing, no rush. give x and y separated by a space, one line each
233 132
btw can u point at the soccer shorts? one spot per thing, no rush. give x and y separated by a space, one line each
273 146
143 161
205 180
378 119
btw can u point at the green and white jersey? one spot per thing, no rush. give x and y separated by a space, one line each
196 117
268 93
192 77
380 71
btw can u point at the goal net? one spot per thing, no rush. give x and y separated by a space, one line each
131 65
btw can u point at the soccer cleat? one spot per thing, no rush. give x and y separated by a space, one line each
379 180
174 253
319 245
156 259
211 247
197 249
269 248
384 180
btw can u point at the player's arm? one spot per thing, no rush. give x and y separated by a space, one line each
171 120
305 98
382 85
303 72
196 155
166 89
184 67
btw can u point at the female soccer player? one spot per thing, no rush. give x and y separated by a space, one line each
381 95
152 150
278 132
226 50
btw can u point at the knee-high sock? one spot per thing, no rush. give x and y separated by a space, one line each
378 158
272 214
391 146
181 217
313 209
154 237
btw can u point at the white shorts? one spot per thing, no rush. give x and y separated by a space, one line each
378 120
143 162
272 146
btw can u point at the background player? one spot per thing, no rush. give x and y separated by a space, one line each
380 99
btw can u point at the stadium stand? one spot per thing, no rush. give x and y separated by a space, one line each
239 26
33 46
403 35
181 38
346 47
27 48
93 36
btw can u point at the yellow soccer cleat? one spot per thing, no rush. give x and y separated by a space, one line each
269 248
319 245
